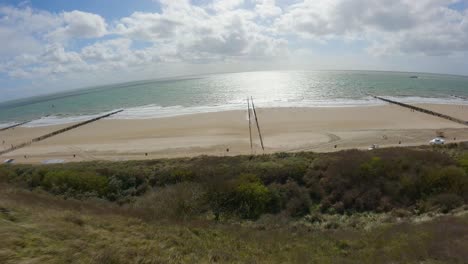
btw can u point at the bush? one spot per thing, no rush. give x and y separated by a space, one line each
62 181
447 202
291 198
252 197
245 197
6 174
248 186
448 179
180 201
279 170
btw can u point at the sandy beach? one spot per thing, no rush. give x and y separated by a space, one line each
283 129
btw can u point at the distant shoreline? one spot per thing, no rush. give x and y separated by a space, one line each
156 111
223 92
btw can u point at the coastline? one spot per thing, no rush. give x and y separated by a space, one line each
153 111
284 129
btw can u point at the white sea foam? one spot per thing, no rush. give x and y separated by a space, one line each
3 125
428 100
156 111
58 120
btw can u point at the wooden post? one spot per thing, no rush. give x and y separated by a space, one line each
256 121
60 131
416 108
250 125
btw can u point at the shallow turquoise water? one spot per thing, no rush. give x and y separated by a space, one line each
220 92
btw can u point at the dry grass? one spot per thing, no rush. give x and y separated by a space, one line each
41 228
162 211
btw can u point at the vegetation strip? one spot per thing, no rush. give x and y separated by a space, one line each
22 145
463 122
392 205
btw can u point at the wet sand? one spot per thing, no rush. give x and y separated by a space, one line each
283 129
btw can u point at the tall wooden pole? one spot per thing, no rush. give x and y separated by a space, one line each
256 121
250 124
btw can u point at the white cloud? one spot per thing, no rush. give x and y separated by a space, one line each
226 5
38 44
77 24
267 8
321 18
56 54
21 30
218 31
17 43
110 50
26 20
147 26
393 26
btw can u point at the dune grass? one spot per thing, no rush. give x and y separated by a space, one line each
40 228
386 206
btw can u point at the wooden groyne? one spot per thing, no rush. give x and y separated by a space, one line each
74 126
60 131
13 126
419 109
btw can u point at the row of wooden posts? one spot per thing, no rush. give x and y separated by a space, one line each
13 126
426 111
256 122
24 144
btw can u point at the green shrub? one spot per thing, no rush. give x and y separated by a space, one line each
248 186
447 179
292 198
279 170
372 170
62 181
252 197
7 174
447 202
245 197
180 201
463 161
172 175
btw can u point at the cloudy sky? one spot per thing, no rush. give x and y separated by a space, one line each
54 45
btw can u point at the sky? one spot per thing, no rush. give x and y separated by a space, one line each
57 45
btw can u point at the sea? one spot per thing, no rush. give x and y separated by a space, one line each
229 91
